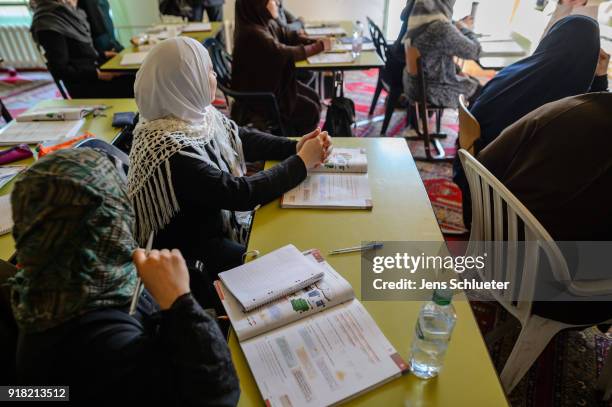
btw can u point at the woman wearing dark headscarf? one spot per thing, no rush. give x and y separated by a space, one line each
264 61
62 30
102 27
566 63
439 41
71 295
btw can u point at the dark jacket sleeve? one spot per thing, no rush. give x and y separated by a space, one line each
600 84
179 357
294 45
258 146
203 184
201 365
60 63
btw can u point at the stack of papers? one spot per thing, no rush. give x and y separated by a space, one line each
325 31
340 47
197 27
36 132
56 113
133 58
331 58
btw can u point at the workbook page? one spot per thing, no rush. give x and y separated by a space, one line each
352 160
340 191
322 359
328 292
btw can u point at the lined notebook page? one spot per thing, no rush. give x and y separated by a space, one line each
6 214
270 277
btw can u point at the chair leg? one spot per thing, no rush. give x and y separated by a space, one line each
535 335
379 87
391 104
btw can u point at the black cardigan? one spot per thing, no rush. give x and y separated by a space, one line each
176 357
76 64
203 191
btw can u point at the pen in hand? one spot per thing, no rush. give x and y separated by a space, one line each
138 288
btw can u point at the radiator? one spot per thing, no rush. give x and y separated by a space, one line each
18 49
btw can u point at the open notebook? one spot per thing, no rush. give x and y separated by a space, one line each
340 183
270 277
38 131
317 346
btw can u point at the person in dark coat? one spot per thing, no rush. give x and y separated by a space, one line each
78 270
264 60
556 160
187 176
63 32
101 25
567 62
396 57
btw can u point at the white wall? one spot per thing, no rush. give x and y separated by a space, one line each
329 9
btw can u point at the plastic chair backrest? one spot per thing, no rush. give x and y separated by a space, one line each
469 128
122 161
221 60
498 216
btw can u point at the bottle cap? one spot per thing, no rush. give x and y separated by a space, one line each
442 297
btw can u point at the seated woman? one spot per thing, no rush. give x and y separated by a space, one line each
439 41
567 62
556 160
63 32
187 164
264 61
71 296
101 25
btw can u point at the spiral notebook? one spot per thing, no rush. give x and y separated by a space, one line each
270 277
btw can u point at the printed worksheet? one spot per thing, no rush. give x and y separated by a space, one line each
36 132
330 190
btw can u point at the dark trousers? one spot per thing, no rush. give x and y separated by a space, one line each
215 13
307 112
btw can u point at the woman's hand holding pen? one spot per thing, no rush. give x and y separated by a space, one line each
164 274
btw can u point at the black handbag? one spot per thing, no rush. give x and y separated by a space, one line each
340 116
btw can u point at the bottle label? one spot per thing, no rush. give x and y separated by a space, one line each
418 331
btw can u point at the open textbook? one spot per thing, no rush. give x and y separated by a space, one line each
317 346
340 183
38 131
345 160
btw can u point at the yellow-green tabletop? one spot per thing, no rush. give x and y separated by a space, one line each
99 126
114 64
366 60
402 211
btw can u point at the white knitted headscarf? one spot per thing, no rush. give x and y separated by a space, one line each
174 98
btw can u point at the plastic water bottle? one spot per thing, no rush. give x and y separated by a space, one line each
357 38
432 333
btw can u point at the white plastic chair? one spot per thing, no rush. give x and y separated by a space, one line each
491 221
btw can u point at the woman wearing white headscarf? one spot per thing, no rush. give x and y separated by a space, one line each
187 165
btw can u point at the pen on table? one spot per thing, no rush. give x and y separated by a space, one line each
138 288
361 248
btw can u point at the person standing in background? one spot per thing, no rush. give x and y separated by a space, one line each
214 11
101 24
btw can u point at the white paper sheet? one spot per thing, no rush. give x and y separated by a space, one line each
133 58
330 58
330 191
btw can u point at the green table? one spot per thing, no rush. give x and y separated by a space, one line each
114 64
99 126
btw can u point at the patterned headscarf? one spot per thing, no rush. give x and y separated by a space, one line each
74 236
426 12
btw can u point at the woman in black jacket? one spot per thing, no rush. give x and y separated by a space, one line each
187 177
70 298
63 32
